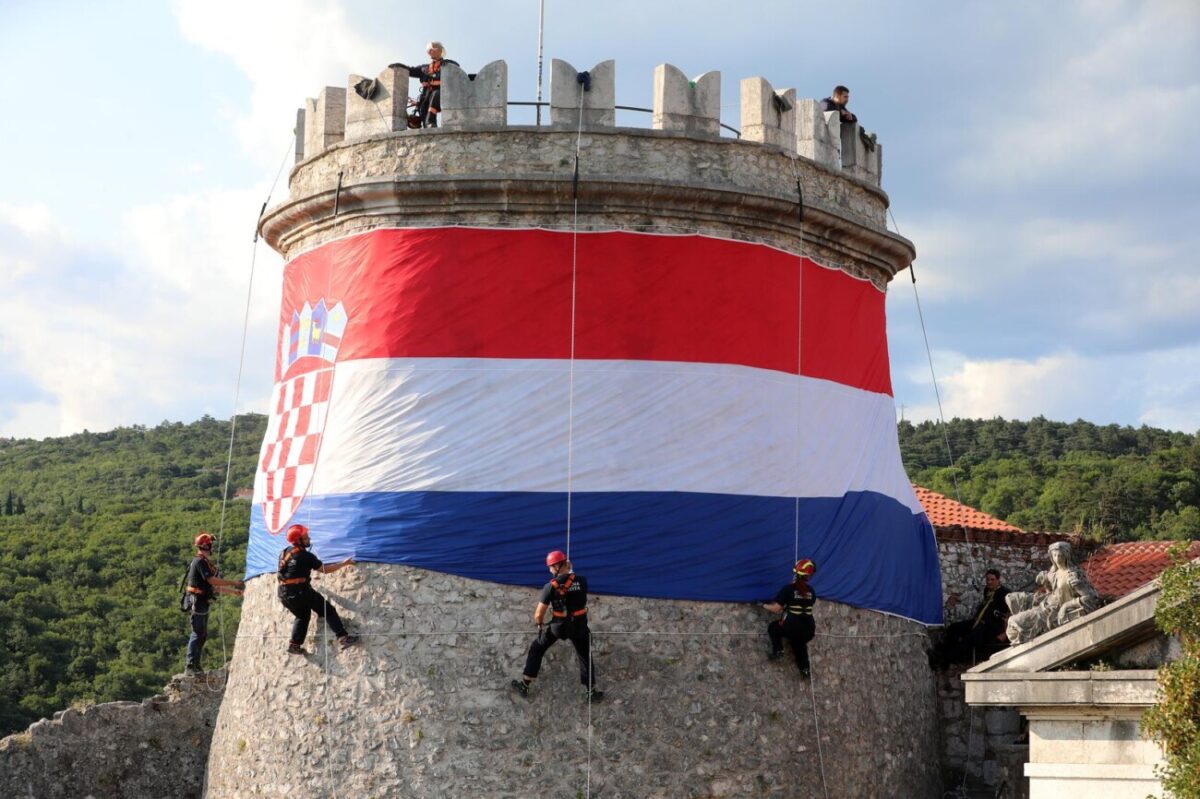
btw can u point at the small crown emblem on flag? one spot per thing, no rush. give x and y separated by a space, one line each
315 331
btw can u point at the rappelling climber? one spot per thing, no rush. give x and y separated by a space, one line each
296 565
201 584
565 596
795 600
429 101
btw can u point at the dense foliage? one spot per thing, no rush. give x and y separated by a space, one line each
1175 721
96 529
90 566
1109 483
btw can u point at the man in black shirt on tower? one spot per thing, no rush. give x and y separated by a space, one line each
565 596
837 102
795 600
977 638
296 565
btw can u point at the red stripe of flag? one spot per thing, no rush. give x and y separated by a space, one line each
472 293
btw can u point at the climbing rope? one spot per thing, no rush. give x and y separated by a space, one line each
961 791
583 86
812 692
799 459
237 393
932 374
574 285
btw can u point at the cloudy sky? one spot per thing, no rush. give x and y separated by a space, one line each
1041 155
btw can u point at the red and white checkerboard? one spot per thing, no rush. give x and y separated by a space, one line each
299 408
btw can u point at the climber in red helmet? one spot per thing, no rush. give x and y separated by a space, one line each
795 601
296 565
565 596
201 584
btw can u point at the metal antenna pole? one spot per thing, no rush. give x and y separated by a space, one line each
541 29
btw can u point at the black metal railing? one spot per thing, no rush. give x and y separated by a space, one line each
535 104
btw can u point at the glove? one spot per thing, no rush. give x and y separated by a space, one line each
397 65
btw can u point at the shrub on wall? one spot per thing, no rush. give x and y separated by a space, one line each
1175 721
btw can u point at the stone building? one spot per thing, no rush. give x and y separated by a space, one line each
977 744
693 708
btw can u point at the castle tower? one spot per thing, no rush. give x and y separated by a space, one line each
659 349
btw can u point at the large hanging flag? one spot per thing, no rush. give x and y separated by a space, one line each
685 414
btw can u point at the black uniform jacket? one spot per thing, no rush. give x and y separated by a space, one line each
296 563
992 612
200 571
567 598
797 601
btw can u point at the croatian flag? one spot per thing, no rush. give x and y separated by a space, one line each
686 414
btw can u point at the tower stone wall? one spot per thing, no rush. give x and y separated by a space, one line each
692 707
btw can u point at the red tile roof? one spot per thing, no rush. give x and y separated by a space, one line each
1118 569
945 512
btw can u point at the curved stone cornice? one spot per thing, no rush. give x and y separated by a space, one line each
603 203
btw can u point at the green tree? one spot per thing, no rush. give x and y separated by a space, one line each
1175 721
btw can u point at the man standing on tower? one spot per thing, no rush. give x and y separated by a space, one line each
296 565
837 102
201 585
429 101
795 600
565 596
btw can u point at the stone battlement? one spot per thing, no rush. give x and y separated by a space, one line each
689 108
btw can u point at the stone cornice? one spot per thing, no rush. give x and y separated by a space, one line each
1135 688
603 203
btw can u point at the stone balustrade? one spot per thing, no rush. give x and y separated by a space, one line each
687 108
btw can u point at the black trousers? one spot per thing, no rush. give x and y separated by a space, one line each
429 105
798 630
966 642
578 634
302 605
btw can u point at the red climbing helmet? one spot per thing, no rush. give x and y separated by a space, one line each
204 541
804 568
295 533
555 558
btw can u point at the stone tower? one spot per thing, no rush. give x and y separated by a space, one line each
693 709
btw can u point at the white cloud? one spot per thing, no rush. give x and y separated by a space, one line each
1123 97
31 220
1161 388
105 341
288 50
1056 239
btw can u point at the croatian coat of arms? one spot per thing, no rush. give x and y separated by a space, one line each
308 348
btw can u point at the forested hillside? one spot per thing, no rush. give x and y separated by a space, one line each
95 532
96 528
1110 483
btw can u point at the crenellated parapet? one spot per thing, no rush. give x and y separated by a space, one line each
474 100
383 109
324 120
583 99
690 108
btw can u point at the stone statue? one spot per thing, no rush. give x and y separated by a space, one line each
1068 595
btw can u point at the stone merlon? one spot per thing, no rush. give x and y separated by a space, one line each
688 108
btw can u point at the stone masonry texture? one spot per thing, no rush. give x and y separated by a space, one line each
154 749
693 707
